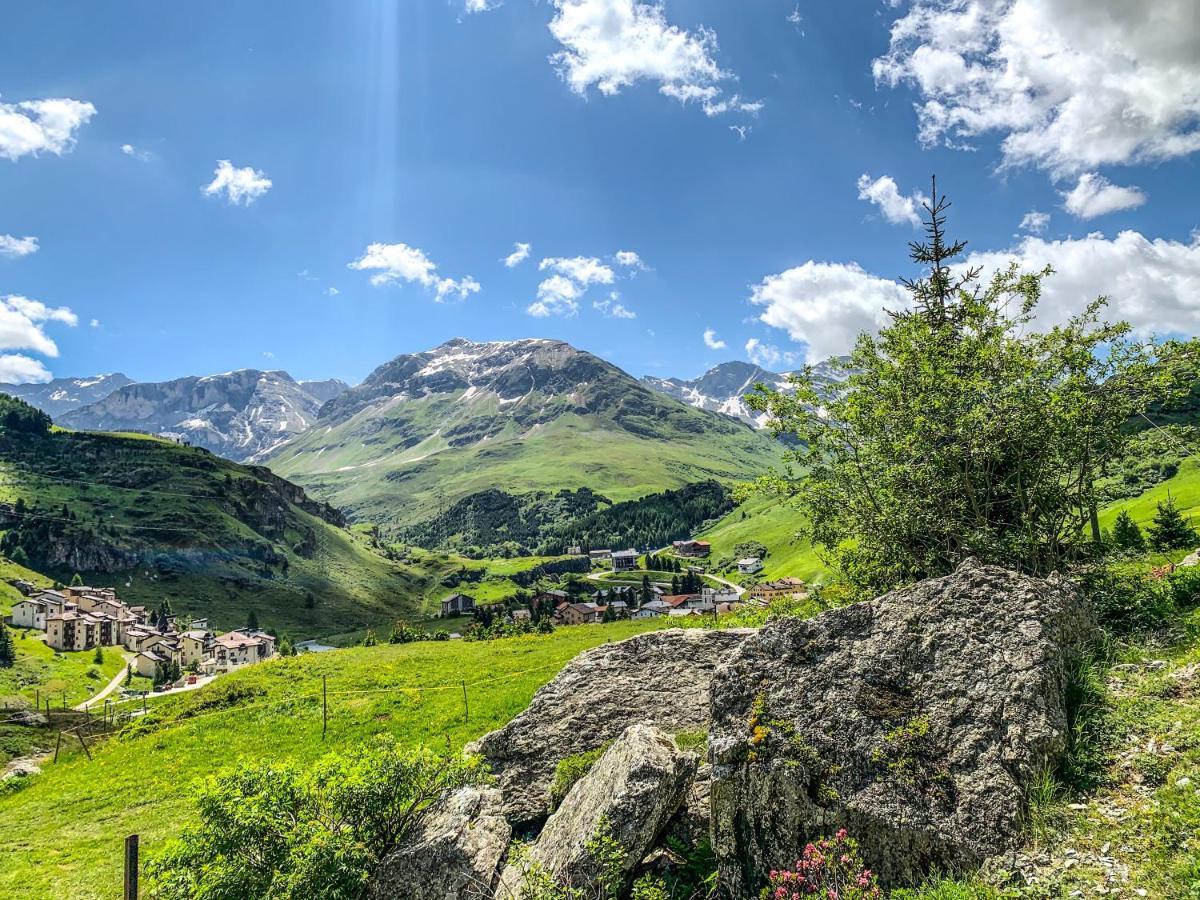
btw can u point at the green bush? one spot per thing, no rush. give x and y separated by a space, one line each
281 830
1128 599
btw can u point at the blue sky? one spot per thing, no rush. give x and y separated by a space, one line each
760 158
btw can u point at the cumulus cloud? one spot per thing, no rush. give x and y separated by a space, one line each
130 150
1152 284
612 44
612 308
41 126
478 6
710 340
768 355
1034 222
519 255
15 246
826 305
894 206
629 259
583 269
556 296
239 186
1069 85
1095 195
400 262
22 327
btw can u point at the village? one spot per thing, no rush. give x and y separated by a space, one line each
651 598
164 647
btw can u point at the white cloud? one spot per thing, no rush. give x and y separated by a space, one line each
15 246
1095 195
1034 222
895 207
710 340
611 308
583 269
741 131
478 6
130 150
41 126
1070 85
400 262
240 186
519 255
826 305
22 326
612 44
768 355
557 296
629 259
95 323
16 368
331 292
1152 284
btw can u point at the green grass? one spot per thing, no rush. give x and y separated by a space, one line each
1184 488
61 835
773 523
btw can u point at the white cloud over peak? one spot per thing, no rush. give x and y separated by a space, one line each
826 305
768 355
711 341
519 255
1152 284
239 186
41 126
400 262
894 206
1069 85
22 327
556 296
612 308
612 44
1094 195
15 246
1034 222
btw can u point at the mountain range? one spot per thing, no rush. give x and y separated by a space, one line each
241 415
427 429
65 394
724 387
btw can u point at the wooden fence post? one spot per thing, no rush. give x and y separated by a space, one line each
466 706
131 867
324 704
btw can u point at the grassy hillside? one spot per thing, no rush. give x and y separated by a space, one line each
1184 488
61 834
774 524
162 521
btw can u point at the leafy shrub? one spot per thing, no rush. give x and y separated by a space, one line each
1127 599
284 831
829 868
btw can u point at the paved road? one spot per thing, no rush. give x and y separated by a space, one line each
111 686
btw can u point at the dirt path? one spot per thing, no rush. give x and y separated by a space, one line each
110 687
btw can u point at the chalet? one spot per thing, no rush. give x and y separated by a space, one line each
551 598
691 548
33 611
458 605
624 560
147 662
774 590
599 555
575 550
582 614
724 594
649 611
195 646
239 648
750 565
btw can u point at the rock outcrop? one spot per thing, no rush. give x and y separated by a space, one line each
915 721
625 801
660 678
454 856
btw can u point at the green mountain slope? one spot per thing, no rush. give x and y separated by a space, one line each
162 521
427 429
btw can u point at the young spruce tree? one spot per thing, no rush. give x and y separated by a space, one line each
964 430
1169 530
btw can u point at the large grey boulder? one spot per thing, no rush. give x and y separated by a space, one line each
625 800
454 855
660 678
915 721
